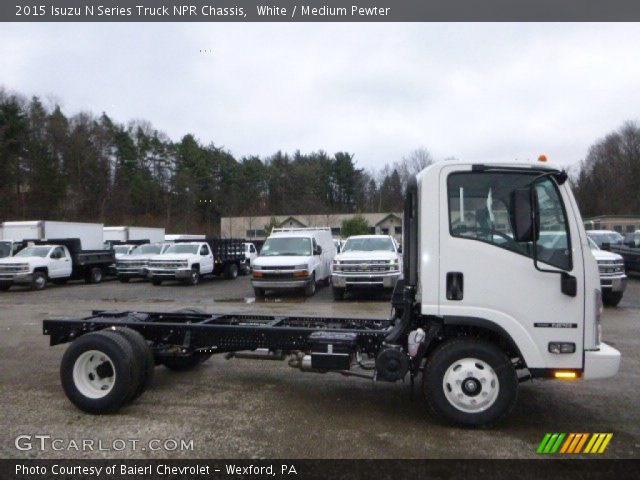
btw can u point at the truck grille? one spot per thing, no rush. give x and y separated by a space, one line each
610 267
168 265
358 266
11 268
132 264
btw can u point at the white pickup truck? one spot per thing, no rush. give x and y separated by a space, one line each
189 261
136 263
613 280
366 262
35 265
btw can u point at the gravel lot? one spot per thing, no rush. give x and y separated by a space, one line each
248 408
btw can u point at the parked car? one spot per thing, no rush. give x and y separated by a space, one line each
366 262
629 250
294 258
613 280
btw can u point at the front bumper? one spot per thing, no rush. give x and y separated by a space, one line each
615 284
133 272
166 273
275 284
365 280
601 363
16 278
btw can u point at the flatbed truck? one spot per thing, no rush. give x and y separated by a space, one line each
482 307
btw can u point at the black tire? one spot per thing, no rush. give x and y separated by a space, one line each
455 350
258 292
4 287
194 279
156 281
124 279
38 281
338 294
310 288
231 272
123 363
611 299
95 275
143 352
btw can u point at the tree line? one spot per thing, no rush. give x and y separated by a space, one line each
88 167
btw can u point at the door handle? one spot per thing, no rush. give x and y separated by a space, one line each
455 286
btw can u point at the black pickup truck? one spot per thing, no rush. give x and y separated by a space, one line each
629 249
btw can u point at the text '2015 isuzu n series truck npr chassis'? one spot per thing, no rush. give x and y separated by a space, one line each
483 306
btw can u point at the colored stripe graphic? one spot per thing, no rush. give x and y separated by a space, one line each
573 443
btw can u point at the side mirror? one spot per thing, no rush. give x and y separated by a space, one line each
522 214
399 248
318 250
606 246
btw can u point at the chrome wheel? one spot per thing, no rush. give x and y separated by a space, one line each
471 385
94 374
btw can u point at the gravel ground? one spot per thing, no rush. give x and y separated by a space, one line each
264 409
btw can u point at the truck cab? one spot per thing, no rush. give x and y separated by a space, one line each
35 265
185 261
366 262
136 263
250 253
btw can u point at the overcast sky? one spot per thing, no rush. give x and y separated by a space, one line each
473 91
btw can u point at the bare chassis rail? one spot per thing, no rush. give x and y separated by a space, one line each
219 333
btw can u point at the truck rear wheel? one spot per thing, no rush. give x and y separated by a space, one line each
470 382
611 299
100 372
38 281
231 272
95 275
156 281
145 358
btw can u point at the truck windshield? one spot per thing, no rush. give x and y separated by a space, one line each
124 249
147 249
183 248
286 246
612 238
368 245
5 249
33 252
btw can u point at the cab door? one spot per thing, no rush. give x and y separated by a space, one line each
60 265
488 278
206 259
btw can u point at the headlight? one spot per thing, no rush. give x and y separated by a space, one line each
24 267
185 263
300 267
336 262
256 267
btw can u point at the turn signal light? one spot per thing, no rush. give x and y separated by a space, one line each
301 273
564 374
257 274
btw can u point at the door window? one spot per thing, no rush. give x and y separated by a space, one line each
58 253
204 250
480 208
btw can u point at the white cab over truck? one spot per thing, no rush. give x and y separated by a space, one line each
136 263
294 258
189 261
366 262
483 306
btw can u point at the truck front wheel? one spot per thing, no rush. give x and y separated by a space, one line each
38 281
4 287
310 289
194 278
338 294
470 382
611 299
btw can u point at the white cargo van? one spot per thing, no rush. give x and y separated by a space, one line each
294 258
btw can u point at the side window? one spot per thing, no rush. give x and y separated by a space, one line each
204 250
252 249
314 245
58 252
480 209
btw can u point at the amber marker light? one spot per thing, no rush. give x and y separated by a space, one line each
565 375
